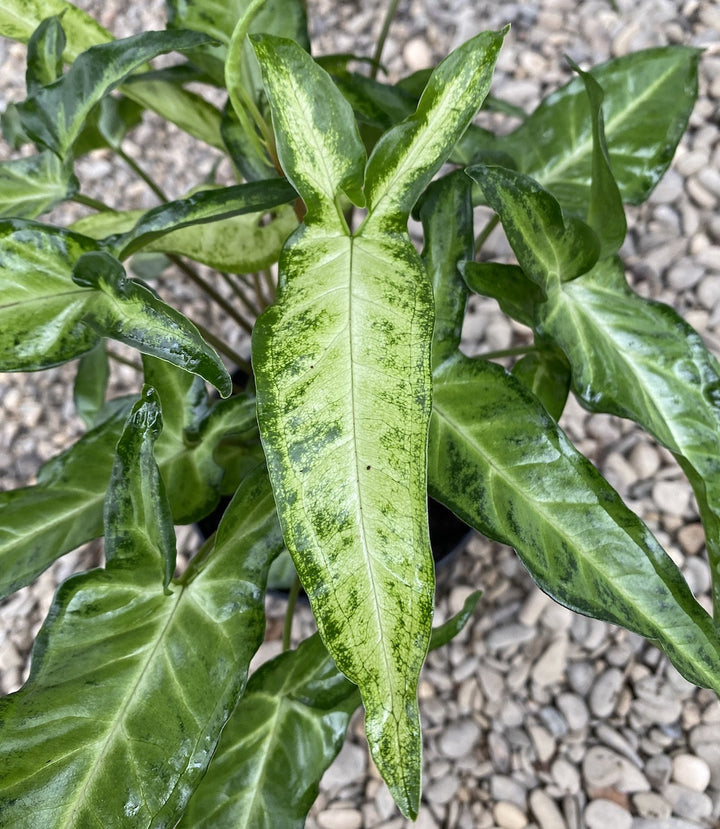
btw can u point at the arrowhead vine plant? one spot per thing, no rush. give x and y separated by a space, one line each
358 404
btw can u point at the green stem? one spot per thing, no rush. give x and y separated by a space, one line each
507 352
211 292
482 237
224 348
382 37
290 612
138 170
89 201
124 360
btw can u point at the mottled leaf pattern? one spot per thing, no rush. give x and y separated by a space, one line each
160 669
501 464
342 366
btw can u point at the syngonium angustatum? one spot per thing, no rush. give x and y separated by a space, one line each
342 363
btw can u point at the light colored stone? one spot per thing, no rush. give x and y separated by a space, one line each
417 54
574 709
459 738
443 790
349 766
543 741
603 768
509 636
603 814
566 776
672 497
533 607
651 805
550 667
504 787
605 692
692 538
340 819
688 803
546 811
509 816
691 771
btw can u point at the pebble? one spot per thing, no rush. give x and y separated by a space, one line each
546 811
443 790
651 805
566 776
602 814
691 771
543 741
581 676
340 819
687 803
574 709
509 816
349 765
510 635
708 292
672 497
605 692
603 768
664 823
417 54
692 538
459 738
504 787
550 667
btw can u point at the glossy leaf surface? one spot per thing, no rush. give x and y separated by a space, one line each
117 644
45 54
59 295
648 97
516 294
447 218
91 384
547 374
31 186
20 18
639 359
40 523
53 116
296 707
501 464
342 366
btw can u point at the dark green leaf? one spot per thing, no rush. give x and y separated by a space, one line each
45 54
551 247
648 99
447 218
91 384
500 463
53 116
115 643
59 295
639 359
248 156
604 213
298 705
547 374
33 185
107 124
515 293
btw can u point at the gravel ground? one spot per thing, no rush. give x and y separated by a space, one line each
534 717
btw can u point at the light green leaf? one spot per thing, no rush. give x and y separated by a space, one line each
296 705
115 643
639 359
447 217
407 157
53 116
501 464
33 185
550 246
204 206
59 295
342 364
91 384
20 18
648 99
44 54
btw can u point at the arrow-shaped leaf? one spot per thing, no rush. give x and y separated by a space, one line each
639 359
342 365
499 462
117 644
59 295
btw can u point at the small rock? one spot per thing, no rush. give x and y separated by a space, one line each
574 709
509 635
508 816
605 692
672 497
710 753
339 819
350 765
533 607
504 787
645 460
651 805
543 741
550 667
554 720
459 738
664 823
708 292
443 790
691 771
601 814
662 710
669 188
658 770
688 803
603 768
566 776
545 810
692 538
580 677
417 54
